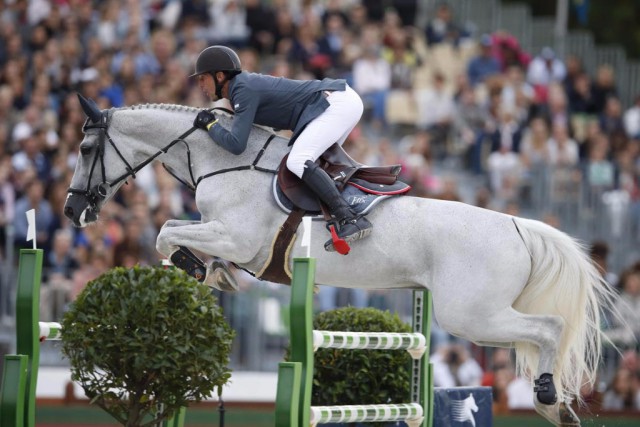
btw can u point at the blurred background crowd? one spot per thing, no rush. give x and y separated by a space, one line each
472 117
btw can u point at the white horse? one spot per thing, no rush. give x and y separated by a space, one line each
496 280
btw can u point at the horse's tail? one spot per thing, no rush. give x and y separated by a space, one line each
563 282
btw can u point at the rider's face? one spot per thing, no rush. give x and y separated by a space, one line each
207 86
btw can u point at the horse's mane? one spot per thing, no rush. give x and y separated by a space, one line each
220 110
166 107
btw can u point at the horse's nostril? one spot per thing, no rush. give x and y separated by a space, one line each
68 212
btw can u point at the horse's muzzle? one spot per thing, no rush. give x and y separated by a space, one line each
79 211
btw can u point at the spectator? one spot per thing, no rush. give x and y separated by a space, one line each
621 394
442 28
543 70
358 18
228 23
471 125
285 31
632 120
436 110
612 124
331 43
33 199
7 202
625 329
91 267
261 21
403 60
517 95
448 190
535 148
600 171
307 53
563 151
60 260
508 51
504 164
574 66
604 87
417 163
193 13
454 367
599 252
483 65
556 112
372 77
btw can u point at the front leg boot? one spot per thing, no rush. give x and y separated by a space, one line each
186 260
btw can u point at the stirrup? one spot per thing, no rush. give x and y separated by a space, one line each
339 243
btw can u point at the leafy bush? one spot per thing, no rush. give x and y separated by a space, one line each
354 377
143 337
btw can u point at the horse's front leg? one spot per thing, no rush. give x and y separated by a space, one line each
174 241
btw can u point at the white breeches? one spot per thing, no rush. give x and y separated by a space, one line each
330 127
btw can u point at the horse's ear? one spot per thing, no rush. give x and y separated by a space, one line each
90 109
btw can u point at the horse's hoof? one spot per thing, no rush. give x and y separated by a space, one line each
568 418
546 391
219 277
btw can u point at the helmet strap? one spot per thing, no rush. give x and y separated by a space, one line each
219 86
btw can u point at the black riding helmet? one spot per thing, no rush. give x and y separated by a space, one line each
218 58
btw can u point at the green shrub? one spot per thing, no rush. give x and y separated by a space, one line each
143 337
354 377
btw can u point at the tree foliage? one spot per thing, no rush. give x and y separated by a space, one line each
352 377
143 337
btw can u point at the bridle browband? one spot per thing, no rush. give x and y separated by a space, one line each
98 192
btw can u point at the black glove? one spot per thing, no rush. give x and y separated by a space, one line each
204 119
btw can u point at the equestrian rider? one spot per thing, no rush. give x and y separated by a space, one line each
319 112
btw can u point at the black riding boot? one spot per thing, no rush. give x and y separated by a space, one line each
350 226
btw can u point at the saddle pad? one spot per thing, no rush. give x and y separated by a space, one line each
361 202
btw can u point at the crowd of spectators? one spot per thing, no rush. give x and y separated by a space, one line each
510 118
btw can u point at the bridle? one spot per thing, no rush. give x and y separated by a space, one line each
99 192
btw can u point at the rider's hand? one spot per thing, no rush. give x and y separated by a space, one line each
205 119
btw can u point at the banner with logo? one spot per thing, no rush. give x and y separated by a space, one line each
463 407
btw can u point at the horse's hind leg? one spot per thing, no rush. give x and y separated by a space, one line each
508 326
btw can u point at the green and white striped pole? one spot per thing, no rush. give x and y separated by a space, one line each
293 401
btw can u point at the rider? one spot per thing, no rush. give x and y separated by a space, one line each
320 113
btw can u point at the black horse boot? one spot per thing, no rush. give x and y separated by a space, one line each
350 226
186 260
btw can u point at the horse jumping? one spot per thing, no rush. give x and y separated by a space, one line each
496 280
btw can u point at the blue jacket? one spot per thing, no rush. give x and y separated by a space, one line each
272 101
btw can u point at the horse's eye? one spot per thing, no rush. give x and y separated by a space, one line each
85 149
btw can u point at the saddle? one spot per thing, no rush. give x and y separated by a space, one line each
363 187
345 171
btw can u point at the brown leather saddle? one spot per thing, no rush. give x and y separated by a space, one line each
344 170
362 186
